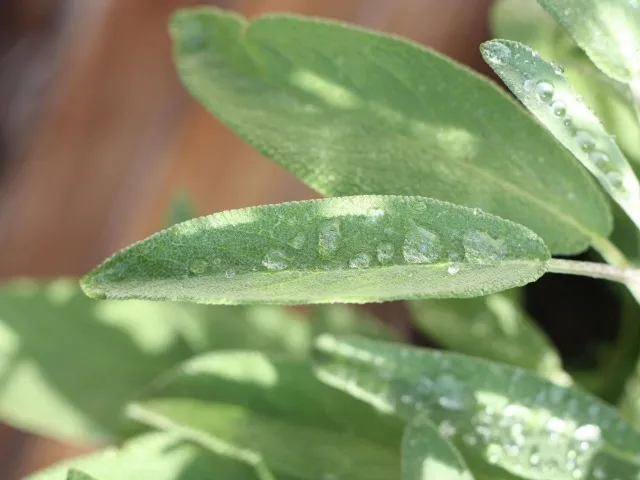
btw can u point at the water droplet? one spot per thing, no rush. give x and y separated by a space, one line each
421 246
529 85
298 241
275 260
452 269
385 253
615 179
480 247
230 273
558 69
494 453
374 214
328 238
198 267
360 261
599 159
588 433
447 429
559 108
544 92
497 53
568 124
585 140
452 393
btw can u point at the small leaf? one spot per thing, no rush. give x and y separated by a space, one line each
78 475
247 403
549 96
426 455
607 30
68 364
156 456
353 249
182 209
492 327
502 419
351 111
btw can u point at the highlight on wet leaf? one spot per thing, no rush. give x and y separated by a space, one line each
501 419
346 249
544 90
351 111
427 455
494 327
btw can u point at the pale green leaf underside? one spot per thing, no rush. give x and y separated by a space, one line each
156 456
351 111
349 249
544 90
492 327
500 418
426 455
607 30
276 410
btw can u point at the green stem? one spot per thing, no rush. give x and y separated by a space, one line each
596 270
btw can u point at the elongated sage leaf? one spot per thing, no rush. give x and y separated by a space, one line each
493 327
502 419
607 30
548 95
351 249
252 404
427 455
156 456
351 111
68 364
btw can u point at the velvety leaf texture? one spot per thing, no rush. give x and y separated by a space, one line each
502 419
349 249
351 111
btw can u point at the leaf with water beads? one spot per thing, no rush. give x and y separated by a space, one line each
351 112
502 419
544 90
607 30
426 455
354 250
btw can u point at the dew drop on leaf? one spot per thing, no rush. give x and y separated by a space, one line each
421 246
275 260
559 108
585 140
328 238
385 253
599 159
360 261
198 267
544 92
298 241
498 53
480 247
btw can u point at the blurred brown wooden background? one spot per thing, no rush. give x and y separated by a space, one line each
97 135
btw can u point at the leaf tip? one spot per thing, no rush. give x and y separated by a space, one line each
91 289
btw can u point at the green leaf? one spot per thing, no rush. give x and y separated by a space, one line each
350 249
493 327
78 475
251 404
549 96
156 456
351 111
502 419
607 30
68 364
426 455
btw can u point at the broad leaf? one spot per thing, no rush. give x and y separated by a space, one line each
607 30
68 364
493 327
351 111
350 249
156 456
250 404
548 95
502 419
426 455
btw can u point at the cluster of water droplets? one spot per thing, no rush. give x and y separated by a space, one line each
544 446
545 94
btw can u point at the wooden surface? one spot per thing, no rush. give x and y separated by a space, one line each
97 134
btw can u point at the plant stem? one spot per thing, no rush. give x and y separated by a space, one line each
596 270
